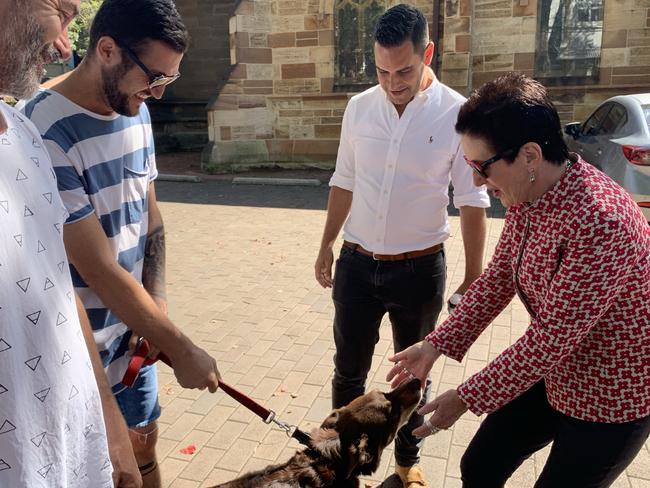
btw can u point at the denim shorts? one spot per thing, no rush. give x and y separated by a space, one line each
139 404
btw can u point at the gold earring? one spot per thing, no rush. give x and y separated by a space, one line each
532 177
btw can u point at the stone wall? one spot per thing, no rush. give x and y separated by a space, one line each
625 59
280 104
180 118
487 38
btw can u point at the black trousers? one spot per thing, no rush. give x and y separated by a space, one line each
411 291
584 454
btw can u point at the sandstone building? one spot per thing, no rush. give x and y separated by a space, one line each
268 80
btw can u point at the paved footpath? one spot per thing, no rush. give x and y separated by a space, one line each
241 284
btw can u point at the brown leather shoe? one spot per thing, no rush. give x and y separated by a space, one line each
411 476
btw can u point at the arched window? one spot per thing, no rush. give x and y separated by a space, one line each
354 24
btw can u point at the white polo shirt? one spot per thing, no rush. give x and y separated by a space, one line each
399 169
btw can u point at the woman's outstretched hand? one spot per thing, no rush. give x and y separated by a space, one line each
414 362
447 409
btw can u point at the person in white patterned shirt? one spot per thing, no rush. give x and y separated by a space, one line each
96 126
56 408
575 248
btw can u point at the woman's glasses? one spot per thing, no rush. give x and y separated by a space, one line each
481 166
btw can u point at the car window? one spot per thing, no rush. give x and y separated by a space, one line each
614 120
646 114
592 126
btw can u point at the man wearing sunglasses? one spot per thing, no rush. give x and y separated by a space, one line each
97 129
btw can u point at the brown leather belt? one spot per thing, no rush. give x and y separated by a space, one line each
394 257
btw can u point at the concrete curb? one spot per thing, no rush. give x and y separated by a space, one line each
179 178
250 180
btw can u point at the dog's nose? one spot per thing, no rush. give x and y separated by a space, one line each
412 385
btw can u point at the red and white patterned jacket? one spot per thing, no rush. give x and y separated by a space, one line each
579 258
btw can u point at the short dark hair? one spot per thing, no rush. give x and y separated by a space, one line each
510 111
402 23
134 22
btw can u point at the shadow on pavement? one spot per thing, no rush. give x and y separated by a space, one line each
219 192
223 192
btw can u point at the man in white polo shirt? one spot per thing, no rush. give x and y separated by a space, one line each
397 156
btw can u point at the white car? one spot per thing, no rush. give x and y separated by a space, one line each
616 139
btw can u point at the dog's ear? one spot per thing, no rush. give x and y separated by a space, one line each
331 420
360 456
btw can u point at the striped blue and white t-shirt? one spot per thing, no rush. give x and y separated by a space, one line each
104 165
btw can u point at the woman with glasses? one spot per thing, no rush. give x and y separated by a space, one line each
575 249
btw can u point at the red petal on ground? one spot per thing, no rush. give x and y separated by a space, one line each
191 449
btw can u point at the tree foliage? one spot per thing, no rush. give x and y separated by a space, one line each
79 30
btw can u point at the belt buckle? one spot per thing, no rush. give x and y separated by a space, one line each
373 256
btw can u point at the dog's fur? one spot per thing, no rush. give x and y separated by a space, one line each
349 443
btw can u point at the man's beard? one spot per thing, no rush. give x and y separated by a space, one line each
116 99
23 54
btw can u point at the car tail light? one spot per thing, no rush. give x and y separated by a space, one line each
637 155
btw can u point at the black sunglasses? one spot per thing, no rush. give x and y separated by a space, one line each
481 166
155 80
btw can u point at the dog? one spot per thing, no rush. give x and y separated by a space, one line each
348 444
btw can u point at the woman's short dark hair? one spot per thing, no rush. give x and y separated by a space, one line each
133 22
510 111
402 23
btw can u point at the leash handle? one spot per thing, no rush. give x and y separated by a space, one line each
138 360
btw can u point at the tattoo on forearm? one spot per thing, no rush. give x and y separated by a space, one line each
153 270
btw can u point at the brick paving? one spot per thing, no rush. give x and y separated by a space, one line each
241 284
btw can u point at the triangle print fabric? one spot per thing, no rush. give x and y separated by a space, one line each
49 404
